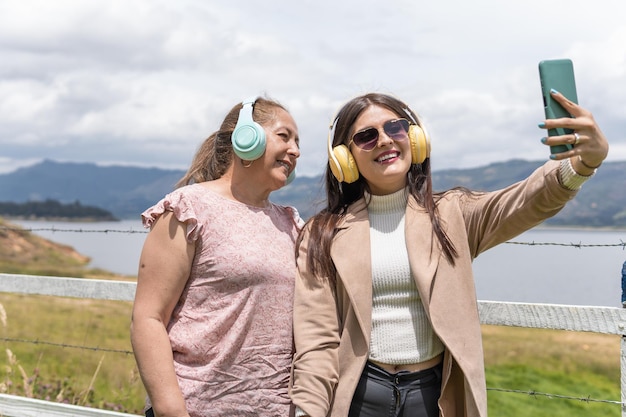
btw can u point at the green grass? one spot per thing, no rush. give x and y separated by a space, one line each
581 384
580 371
41 361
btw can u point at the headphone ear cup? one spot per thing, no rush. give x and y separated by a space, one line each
420 144
343 165
291 177
248 138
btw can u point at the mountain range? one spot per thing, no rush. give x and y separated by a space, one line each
126 191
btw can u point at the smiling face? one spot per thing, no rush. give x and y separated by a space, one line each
282 149
385 167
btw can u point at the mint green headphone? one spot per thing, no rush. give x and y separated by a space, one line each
248 138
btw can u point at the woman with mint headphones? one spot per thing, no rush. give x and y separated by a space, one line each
212 319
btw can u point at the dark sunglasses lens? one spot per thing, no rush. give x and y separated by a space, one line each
366 139
397 129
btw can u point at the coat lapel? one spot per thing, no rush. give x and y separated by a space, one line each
352 257
423 249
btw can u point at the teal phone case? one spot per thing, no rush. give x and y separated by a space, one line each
557 74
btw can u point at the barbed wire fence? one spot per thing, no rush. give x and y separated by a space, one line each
527 392
578 245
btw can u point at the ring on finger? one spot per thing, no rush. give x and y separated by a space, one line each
576 138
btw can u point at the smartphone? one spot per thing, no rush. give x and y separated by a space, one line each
557 74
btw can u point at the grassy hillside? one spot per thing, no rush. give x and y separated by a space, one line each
78 351
22 252
29 254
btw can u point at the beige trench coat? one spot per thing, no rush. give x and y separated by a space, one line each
332 323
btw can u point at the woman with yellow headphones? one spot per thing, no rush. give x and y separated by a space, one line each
385 312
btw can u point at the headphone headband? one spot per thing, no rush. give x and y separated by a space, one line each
334 164
249 100
408 113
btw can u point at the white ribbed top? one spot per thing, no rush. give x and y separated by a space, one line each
401 331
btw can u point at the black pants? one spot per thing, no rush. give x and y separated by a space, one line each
405 394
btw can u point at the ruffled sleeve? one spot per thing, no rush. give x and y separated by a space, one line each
179 202
296 218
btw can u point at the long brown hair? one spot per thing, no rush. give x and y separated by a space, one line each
215 154
339 196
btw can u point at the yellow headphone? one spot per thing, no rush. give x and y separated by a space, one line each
342 163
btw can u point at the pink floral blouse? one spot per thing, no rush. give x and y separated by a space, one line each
231 331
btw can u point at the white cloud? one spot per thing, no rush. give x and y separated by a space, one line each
145 82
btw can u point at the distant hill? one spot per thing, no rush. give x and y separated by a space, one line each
124 191
600 203
127 191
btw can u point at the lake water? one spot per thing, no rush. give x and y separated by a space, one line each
553 270
114 246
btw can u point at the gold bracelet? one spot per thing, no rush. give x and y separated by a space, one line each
580 159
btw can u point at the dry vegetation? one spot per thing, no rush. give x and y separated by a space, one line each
24 251
62 349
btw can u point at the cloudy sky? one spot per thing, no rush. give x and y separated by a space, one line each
143 82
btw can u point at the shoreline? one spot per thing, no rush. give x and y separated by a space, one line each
60 219
581 228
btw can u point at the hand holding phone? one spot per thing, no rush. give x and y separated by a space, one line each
557 74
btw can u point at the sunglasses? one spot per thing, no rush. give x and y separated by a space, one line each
367 139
